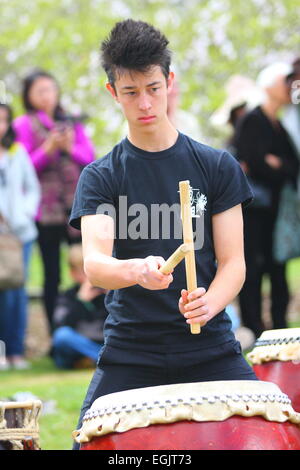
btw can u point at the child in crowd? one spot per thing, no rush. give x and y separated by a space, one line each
79 316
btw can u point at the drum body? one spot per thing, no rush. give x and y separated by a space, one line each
231 415
19 429
236 433
276 358
285 374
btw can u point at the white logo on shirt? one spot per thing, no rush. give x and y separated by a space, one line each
198 202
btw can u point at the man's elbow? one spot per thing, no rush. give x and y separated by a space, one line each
89 270
93 273
237 266
242 271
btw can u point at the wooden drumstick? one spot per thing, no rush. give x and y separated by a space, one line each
188 238
175 259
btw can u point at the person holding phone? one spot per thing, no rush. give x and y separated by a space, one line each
59 149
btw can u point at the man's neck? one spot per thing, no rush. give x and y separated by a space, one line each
154 140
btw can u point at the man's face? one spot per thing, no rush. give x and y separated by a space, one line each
143 97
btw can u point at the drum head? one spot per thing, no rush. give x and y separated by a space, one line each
276 345
203 401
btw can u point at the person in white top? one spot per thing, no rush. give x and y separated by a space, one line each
19 201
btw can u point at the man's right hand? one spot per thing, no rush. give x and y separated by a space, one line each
148 274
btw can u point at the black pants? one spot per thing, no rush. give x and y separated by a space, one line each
120 370
258 230
50 239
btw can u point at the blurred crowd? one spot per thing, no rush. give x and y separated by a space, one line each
265 138
42 153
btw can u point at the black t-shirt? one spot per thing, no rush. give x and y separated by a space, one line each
136 183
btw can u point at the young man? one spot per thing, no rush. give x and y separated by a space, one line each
147 333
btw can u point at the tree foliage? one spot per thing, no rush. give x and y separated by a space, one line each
210 40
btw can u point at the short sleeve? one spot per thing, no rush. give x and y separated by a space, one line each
230 186
95 187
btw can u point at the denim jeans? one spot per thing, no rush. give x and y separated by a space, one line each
69 346
13 312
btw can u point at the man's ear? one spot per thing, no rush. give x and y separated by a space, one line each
170 81
112 91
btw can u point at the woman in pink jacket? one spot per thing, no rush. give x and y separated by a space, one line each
59 149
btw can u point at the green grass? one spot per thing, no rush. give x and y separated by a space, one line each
66 388
293 274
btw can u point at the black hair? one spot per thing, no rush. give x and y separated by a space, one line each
134 45
296 64
294 73
10 135
28 83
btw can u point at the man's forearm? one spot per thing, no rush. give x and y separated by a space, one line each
108 272
229 280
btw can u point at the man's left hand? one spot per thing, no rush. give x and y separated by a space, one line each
194 306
